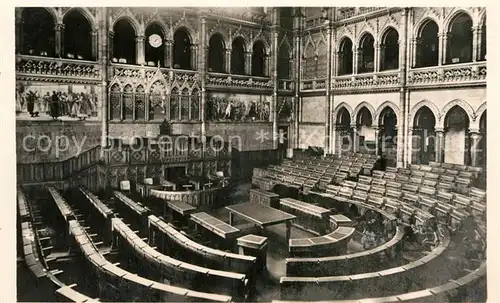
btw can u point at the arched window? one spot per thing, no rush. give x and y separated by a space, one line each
195 104
310 63
38 33
428 45
459 49
389 52
157 101
423 142
77 36
115 103
124 42
343 127
284 62
321 62
387 134
216 54
238 56
258 59
457 142
345 57
182 49
174 104
128 103
155 45
185 104
366 54
482 50
140 103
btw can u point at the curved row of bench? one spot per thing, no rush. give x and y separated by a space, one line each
32 258
333 243
130 285
179 272
348 264
392 279
207 256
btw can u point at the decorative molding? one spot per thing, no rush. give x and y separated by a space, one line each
431 106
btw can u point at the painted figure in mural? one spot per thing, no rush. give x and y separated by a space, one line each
54 106
227 113
252 113
31 99
19 101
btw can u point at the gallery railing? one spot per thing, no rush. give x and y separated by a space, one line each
464 73
61 69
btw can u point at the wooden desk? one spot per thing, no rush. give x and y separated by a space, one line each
255 246
264 197
261 215
218 227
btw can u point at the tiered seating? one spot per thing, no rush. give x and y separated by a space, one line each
177 271
316 171
353 263
332 243
324 288
129 285
37 263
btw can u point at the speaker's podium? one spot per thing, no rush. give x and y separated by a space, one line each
256 246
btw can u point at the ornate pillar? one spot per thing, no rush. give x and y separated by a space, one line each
103 50
168 56
339 132
474 137
95 35
139 48
194 57
376 128
59 47
227 61
414 45
203 78
404 96
479 43
111 38
439 144
379 57
336 64
355 138
409 146
443 41
476 44
328 92
267 60
355 60
274 72
248 63
297 30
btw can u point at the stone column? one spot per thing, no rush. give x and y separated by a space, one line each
274 73
414 50
339 132
474 137
111 38
336 64
59 47
443 41
479 43
248 63
476 34
103 51
439 144
328 92
95 46
203 79
355 140
404 94
227 63
379 57
168 56
194 57
376 128
267 64
355 60
409 145
139 48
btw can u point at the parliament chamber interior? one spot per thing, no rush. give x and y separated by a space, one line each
251 154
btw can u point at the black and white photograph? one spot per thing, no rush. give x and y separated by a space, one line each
250 154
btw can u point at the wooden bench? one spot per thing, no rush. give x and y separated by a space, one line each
334 242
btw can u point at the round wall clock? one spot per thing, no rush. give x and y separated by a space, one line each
155 40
